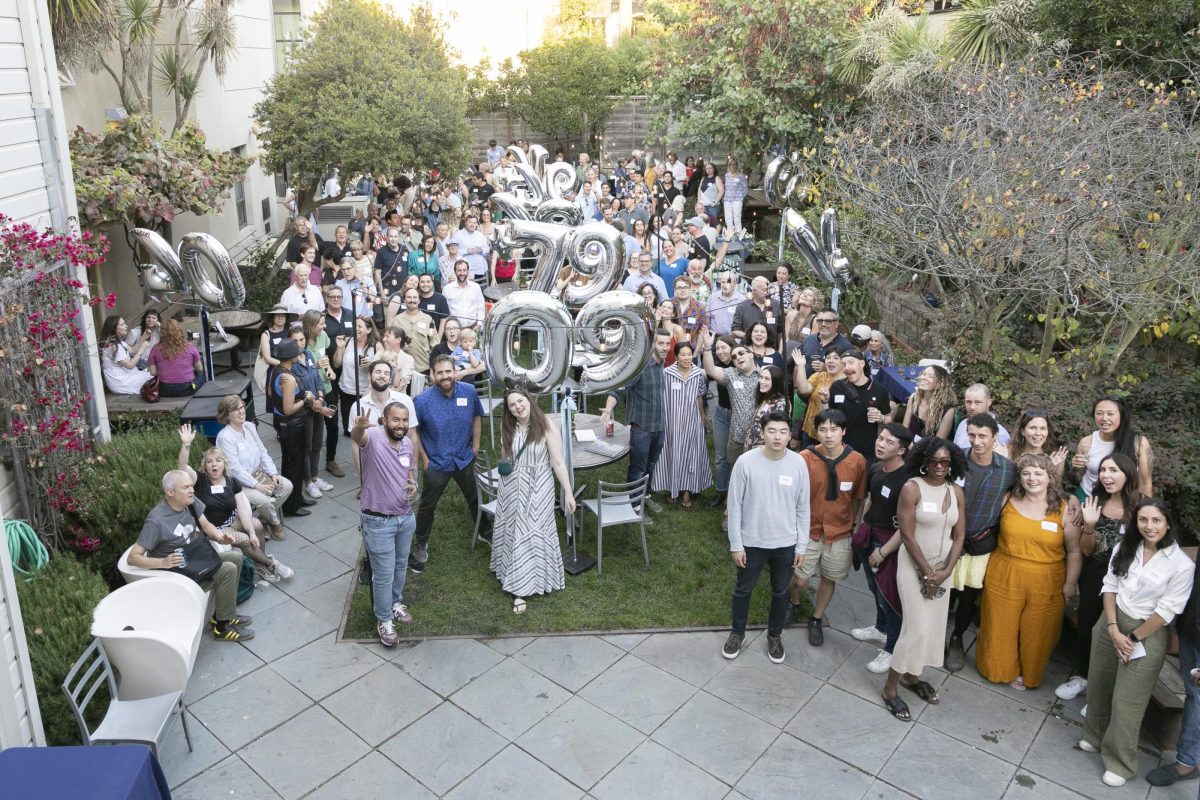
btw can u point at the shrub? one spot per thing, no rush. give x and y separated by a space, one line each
264 280
120 486
56 605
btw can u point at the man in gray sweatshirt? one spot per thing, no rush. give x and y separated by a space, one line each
768 526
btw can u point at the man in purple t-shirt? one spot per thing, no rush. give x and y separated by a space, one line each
388 487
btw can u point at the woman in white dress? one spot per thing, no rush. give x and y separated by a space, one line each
119 361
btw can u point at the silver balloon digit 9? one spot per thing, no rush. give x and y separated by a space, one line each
786 186
200 269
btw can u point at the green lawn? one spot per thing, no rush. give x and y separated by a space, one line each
687 585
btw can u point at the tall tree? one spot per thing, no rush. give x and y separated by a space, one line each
323 109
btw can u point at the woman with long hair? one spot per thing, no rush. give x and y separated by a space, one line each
1033 433
1107 515
424 261
710 192
305 371
176 362
783 290
118 360
392 350
152 322
345 353
1032 574
641 235
319 347
879 351
930 409
758 336
932 525
649 295
1147 584
1115 433
736 189
682 469
770 397
525 552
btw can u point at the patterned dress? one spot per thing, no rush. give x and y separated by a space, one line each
683 464
526 556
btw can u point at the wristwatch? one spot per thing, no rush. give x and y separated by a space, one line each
1133 637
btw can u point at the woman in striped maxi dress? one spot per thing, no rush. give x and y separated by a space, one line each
526 556
683 465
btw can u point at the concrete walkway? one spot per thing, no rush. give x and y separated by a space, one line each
295 714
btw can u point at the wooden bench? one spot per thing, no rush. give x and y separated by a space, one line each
132 405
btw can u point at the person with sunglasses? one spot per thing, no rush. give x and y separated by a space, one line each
819 342
723 303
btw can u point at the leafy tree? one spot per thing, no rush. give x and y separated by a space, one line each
1146 34
751 74
132 174
1054 189
321 108
888 52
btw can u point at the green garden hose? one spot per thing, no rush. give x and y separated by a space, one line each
25 547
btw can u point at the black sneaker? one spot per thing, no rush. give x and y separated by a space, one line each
228 632
718 501
956 657
816 636
237 620
775 649
733 645
417 566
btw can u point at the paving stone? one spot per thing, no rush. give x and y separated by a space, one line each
580 742
693 657
345 545
446 665
443 747
569 661
381 703
327 517
510 698
180 765
249 707
766 690
507 645
264 597
652 771
638 693
218 664
716 737
1027 786
514 775
933 766
854 677
322 667
885 791
625 641
850 609
790 762
374 777
298 757
284 628
818 662
857 731
313 567
229 778
328 601
988 720
1053 753
1042 697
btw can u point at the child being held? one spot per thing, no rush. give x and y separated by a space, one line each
468 361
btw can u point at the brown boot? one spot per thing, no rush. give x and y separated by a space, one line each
277 532
333 469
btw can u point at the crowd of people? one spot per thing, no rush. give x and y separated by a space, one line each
817 467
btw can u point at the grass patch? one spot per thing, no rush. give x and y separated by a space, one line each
688 584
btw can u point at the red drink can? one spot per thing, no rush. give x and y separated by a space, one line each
608 428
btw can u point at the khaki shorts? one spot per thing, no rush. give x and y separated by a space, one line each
833 559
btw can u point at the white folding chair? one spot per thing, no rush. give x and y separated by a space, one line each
619 504
487 486
490 403
142 721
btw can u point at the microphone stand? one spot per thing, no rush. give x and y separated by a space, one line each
573 562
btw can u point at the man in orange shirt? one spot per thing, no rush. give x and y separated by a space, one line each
837 487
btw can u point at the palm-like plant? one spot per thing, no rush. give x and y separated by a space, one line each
987 31
913 59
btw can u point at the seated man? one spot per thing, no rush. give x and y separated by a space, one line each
169 528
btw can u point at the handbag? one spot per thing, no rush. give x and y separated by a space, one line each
151 390
200 561
506 466
928 591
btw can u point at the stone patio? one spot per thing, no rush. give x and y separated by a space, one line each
296 714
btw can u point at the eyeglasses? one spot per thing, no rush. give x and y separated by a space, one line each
239 408
826 321
939 462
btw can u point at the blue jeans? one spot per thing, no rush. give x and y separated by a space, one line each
886 618
644 449
387 540
779 561
720 436
1187 752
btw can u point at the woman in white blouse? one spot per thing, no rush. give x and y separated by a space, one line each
1149 581
250 463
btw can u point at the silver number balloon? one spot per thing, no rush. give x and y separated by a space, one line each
616 336
560 180
564 212
528 308
775 178
829 231
805 240
517 155
509 205
528 187
538 156
595 252
549 239
159 270
215 279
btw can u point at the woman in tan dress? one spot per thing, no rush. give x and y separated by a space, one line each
932 528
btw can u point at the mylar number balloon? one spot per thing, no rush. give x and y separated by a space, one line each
202 269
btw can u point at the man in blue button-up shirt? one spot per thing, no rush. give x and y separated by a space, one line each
450 414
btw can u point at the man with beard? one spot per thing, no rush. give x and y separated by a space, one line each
865 403
388 488
464 297
379 396
449 442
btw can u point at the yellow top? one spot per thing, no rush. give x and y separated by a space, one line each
1039 540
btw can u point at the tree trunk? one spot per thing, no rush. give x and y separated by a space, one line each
1132 329
1048 333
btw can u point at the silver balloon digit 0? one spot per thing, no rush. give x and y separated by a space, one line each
159 270
506 318
215 279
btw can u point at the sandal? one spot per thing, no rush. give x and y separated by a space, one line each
898 708
518 605
1018 684
923 690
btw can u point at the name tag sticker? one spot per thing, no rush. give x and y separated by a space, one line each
785 480
691 320
218 489
1050 525
579 283
770 320
885 492
677 386
846 486
738 385
461 402
960 482
404 461
839 398
348 326
930 507
806 331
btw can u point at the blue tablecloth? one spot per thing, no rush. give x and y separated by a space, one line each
899 381
103 772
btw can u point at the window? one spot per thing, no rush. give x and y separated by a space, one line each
287 28
239 193
266 212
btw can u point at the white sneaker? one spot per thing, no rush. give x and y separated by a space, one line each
1083 711
871 634
323 485
262 573
1088 747
313 491
1112 779
281 572
881 663
1074 687
400 613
